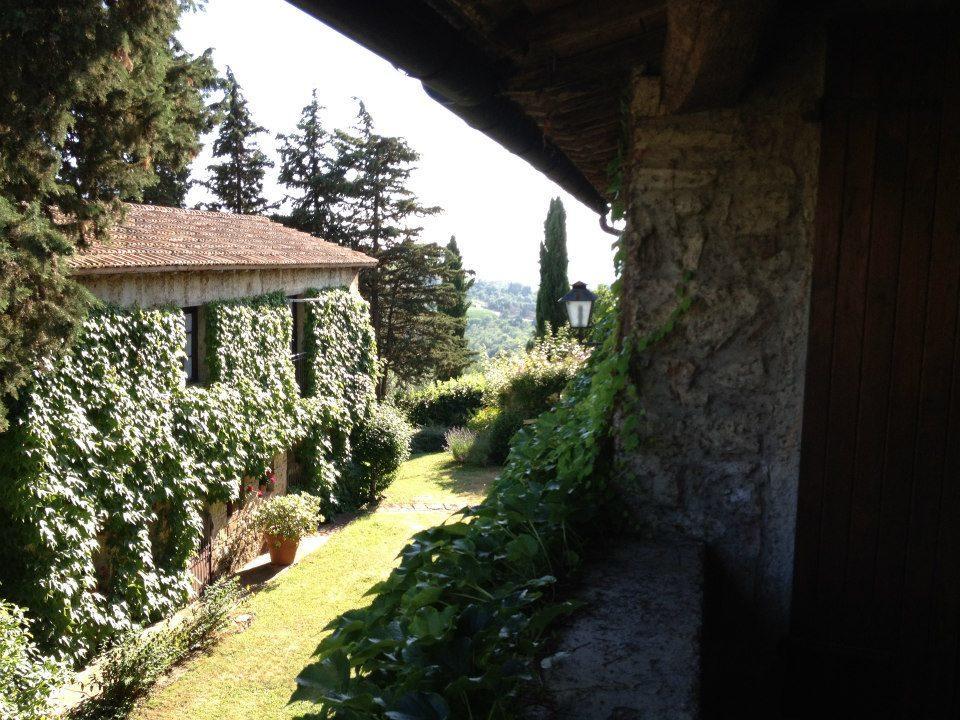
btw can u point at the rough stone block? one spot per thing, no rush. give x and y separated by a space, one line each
634 651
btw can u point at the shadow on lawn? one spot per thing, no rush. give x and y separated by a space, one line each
464 479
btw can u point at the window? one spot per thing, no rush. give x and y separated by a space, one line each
191 359
295 326
297 356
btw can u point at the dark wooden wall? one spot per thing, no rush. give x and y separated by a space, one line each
876 615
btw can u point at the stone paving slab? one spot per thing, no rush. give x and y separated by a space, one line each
633 652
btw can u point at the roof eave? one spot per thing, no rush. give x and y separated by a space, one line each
145 269
415 38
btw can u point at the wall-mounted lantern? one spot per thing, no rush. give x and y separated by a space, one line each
579 302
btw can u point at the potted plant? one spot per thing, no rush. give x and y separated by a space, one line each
285 520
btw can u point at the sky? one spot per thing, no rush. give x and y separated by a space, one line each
493 202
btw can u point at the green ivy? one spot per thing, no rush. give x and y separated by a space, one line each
27 679
454 631
341 377
110 459
94 457
251 410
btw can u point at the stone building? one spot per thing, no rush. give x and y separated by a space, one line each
161 256
800 164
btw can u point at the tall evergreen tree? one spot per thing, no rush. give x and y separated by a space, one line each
378 214
311 169
85 110
237 181
190 82
553 269
415 341
461 281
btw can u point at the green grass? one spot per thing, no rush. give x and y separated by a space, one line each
250 674
475 311
437 478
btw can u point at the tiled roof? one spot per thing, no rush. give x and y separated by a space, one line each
156 239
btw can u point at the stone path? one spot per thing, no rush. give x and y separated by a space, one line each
633 652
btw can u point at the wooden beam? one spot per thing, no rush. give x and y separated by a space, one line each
710 51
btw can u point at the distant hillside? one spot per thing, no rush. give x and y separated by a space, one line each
501 316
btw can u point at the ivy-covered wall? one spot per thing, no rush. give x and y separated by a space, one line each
111 459
341 376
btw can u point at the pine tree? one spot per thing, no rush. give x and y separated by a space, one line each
377 216
237 182
84 112
553 269
310 168
460 283
414 340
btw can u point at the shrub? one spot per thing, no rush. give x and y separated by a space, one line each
27 680
483 419
381 443
479 453
127 671
506 424
429 439
288 517
448 403
529 383
460 442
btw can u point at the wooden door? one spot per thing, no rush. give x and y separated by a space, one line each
876 611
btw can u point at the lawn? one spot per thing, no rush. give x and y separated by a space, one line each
251 673
436 478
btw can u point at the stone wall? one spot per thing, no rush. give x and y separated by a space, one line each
235 540
186 289
729 196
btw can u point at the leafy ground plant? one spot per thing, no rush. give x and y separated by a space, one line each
27 679
130 669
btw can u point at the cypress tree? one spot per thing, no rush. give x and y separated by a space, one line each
189 81
237 182
456 308
85 111
553 269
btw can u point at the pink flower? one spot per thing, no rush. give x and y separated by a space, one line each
259 493
249 488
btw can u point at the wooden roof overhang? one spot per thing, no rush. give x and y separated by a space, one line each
549 79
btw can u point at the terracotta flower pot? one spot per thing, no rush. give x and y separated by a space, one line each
282 551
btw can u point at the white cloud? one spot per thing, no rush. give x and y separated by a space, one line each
494 202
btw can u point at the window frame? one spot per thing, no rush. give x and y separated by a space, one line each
192 345
297 342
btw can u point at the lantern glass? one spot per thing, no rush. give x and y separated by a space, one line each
579 303
578 311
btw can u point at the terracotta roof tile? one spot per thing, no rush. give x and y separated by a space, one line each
155 239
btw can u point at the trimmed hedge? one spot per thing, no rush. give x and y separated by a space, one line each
448 403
